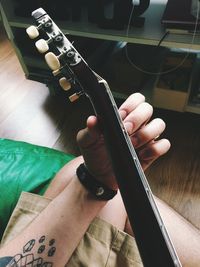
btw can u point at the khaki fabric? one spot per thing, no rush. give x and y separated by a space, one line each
102 245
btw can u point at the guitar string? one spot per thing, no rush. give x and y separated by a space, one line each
173 68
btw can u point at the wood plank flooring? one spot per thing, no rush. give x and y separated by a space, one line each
28 113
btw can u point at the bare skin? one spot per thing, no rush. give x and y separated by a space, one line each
82 208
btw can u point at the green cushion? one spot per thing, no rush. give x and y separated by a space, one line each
25 167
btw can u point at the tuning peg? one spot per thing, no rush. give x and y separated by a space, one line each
42 46
52 61
65 84
32 32
74 97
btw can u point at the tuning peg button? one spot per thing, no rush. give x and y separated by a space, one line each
42 46
65 84
32 32
52 61
74 97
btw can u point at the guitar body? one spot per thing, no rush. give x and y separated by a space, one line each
153 242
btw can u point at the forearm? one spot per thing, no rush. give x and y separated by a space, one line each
185 237
63 222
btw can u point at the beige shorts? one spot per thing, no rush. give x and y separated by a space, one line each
102 245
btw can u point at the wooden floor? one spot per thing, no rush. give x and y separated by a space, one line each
28 113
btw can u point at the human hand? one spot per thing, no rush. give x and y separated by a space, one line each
135 114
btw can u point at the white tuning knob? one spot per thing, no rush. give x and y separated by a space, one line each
32 32
42 46
52 61
65 84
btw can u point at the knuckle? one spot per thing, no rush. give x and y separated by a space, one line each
147 107
139 95
80 137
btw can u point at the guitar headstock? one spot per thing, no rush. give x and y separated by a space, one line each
59 53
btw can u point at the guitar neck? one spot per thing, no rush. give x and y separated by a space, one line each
152 239
154 244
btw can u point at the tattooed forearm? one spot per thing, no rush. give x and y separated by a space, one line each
28 258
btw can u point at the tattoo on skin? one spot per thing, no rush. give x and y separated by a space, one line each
29 259
42 239
51 242
41 249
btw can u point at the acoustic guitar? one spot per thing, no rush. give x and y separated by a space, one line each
153 241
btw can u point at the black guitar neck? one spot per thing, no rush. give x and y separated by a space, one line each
153 242
152 239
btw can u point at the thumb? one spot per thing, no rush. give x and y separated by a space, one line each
90 135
